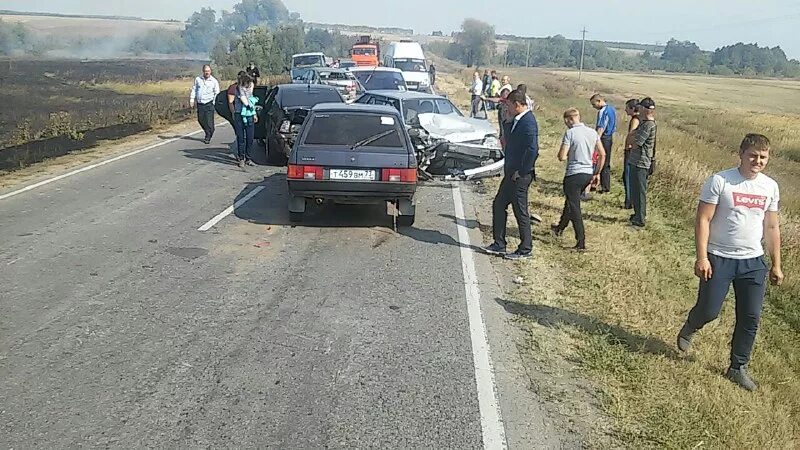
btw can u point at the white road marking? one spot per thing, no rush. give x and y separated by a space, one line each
207 226
96 165
494 435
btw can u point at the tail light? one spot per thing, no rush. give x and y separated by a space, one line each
297 172
286 126
399 175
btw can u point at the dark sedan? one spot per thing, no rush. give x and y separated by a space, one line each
357 154
285 109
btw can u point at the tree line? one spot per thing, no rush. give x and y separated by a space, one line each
475 45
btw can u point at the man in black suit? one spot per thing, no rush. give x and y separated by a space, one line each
521 152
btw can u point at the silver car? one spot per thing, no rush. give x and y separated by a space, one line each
341 79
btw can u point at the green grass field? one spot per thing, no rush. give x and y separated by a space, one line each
618 307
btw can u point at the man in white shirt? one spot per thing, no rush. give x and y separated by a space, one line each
476 90
738 207
577 147
204 92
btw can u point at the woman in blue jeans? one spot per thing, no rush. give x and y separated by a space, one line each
244 119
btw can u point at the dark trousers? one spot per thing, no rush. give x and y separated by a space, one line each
205 117
574 185
626 181
244 137
514 193
638 177
477 105
749 278
605 174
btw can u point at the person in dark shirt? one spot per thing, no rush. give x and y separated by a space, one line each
254 73
432 74
641 159
521 152
606 126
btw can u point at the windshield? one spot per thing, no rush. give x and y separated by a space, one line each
364 51
308 61
381 80
410 65
307 98
413 108
335 76
345 64
348 129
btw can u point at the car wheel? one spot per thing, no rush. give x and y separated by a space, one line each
295 217
274 156
405 221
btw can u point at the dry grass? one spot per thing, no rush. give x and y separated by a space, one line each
169 88
622 303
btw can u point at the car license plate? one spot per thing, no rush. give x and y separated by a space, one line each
354 175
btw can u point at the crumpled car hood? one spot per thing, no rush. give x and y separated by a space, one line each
455 128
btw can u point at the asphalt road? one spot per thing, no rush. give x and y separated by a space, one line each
122 325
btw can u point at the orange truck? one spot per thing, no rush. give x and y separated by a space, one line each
366 52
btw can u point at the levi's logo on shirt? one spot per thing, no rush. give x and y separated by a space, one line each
749 201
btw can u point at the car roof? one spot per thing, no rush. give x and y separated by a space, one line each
406 95
376 69
328 69
309 54
305 87
355 107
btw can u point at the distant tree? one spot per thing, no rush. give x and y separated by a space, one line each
685 56
477 41
159 40
201 32
318 39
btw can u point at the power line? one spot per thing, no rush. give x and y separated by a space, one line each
583 48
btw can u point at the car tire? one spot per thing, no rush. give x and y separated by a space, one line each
295 217
405 221
275 157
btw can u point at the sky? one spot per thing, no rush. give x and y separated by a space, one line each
710 23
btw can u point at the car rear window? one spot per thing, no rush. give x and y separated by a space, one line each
381 80
308 97
337 76
346 129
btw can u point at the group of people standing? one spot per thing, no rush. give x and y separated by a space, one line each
241 102
737 208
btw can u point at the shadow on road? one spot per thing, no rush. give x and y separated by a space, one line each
552 317
225 153
270 207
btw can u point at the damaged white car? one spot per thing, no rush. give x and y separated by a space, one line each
449 145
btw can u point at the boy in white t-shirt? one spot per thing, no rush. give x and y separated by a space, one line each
738 207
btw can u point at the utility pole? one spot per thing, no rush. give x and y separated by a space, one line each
583 49
528 54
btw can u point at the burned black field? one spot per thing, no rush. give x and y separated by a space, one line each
52 107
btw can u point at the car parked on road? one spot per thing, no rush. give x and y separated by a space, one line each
380 78
447 143
347 63
285 109
411 104
341 79
353 154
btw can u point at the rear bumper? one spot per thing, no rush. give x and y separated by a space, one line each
352 192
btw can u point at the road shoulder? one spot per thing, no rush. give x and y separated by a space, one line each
545 402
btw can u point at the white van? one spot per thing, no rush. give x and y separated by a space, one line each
410 59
